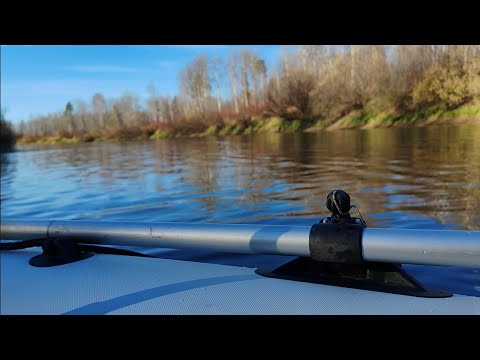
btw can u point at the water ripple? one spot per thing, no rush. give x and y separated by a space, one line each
404 178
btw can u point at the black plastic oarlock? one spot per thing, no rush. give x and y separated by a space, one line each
337 243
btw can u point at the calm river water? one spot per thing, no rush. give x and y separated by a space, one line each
404 178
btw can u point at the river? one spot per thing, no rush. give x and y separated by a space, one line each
424 177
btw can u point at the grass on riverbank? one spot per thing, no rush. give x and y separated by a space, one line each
364 118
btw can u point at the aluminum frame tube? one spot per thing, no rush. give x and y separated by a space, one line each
404 246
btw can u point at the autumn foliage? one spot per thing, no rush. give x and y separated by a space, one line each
308 83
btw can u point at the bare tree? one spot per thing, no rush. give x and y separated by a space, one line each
21 128
99 106
129 107
353 66
195 83
246 58
81 114
68 113
259 75
216 65
153 105
233 70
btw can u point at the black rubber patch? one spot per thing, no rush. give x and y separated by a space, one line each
43 260
381 277
336 243
58 252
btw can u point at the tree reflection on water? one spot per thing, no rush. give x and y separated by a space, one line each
404 177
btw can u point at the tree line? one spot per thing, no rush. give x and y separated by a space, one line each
307 82
7 135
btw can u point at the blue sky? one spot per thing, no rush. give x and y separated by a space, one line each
40 79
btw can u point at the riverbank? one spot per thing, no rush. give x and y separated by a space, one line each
360 119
